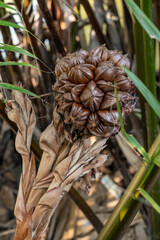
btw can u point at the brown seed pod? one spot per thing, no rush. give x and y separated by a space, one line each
110 117
109 100
102 52
84 92
61 67
105 86
82 53
94 60
93 120
78 115
91 96
123 83
119 59
106 71
81 73
76 92
75 61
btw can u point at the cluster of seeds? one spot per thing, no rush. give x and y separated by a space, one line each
84 91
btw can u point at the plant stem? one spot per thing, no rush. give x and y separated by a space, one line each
51 27
149 62
130 203
93 20
157 3
139 50
76 197
88 211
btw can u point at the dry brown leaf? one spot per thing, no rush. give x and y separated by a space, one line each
21 112
29 177
50 144
20 209
28 114
45 209
63 175
24 230
63 153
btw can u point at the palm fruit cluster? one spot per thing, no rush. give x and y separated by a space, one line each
84 91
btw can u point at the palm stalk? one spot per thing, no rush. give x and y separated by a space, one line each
93 20
149 62
76 197
157 3
139 51
49 21
130 203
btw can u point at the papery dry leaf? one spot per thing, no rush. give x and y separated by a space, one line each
45 210
44 182
81 159
21 112
20 208
29 177
24 231
28 114
64 151
50 144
